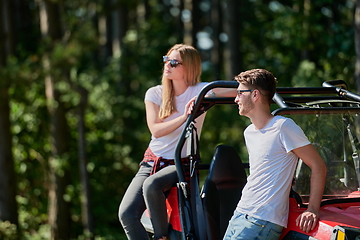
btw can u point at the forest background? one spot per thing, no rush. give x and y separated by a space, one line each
73 74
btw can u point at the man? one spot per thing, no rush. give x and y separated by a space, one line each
274 144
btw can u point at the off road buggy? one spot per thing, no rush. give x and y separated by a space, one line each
329 116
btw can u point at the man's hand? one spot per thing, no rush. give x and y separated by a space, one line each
307 221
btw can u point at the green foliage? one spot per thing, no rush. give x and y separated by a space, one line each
282 36
217 131
329 134
301 46
8 231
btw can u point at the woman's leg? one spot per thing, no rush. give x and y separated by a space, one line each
132 206
154 188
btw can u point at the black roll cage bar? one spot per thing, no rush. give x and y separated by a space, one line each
288 100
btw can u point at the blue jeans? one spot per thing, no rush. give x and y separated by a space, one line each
243 226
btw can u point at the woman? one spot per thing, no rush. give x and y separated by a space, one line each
167 108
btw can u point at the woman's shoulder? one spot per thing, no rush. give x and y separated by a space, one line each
153 94
202 84
199 86
154 90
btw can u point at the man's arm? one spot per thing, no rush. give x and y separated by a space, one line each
308 154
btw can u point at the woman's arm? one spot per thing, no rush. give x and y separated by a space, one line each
157 127
223 92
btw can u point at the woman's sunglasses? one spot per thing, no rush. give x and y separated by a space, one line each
173 62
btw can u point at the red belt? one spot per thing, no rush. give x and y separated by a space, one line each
149 156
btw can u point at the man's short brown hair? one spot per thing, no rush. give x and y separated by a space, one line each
260 79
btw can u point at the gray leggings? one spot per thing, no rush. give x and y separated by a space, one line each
147 191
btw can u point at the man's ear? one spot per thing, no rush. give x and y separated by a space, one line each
256 95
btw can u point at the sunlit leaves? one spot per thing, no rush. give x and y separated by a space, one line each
302 42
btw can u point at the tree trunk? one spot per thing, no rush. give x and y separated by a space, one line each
178 23
217 50
86 215
305 53
58 211
8 186
195 19
58 208
188 26
7 15
357 45
232 28
115 29
112 28
8 206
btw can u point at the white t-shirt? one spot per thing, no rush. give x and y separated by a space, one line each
165 146
272 165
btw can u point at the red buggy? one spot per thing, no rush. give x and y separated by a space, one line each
329 116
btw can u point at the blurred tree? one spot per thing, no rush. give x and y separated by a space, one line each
188 19
117 24
357 45
99 58
217 55
85 193
233 59
8 184
59 215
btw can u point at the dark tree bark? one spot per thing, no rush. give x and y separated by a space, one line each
357 45
232 28
118 18
7 15
217 50
147 10
8 205
188 26
85 199
8 186
112 27
178 23
306 9
196 22
58 208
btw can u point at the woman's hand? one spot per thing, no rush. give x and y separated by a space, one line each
189 107
159 128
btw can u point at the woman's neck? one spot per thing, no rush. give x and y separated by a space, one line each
179 87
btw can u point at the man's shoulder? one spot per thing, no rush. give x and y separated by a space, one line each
281 120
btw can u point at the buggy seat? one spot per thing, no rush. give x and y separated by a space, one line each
222 190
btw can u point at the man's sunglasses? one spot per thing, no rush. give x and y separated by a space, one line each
240 92
173 62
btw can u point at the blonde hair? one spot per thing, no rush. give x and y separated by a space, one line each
191 62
